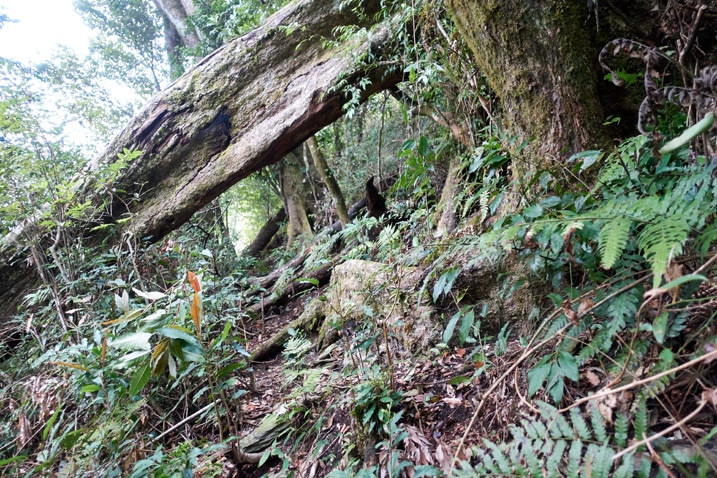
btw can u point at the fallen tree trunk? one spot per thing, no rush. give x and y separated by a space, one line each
241 108
265 234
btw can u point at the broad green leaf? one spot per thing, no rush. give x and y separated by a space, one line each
132 341
531 212
448 332
140 379
589 158
445 282
51 422
227 369
127 359
90 388
177 332
568 365
537 375
659 327
466 325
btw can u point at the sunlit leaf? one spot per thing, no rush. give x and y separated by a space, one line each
70 365
132 341
149 295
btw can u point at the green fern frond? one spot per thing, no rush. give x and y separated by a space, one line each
574 459
612 240
535 464
601 460
553 461
580 424
662 241
626 468
598 424
640 421
622 423
706 238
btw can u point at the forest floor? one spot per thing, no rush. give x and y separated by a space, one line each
440 395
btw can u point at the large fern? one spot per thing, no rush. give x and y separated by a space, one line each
661 241
563 446
612 240
662 216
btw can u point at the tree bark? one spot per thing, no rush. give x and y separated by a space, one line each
177 32
293 193
176 13
265 234
539 60
244 106
327 176
446 209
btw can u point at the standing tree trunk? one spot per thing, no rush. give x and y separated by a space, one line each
177 32
265 234
327 176
176 13
446 210
294 193
539 60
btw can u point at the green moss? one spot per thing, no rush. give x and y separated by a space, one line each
537 60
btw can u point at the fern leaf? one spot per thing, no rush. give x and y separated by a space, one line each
574 459
529 451
540 429
624 306
706 238
645 468
553 462
627 468
549 414
528 427
500 459
566 431
515 454
602 461
662 241
579 424
622 424
640 422
612 240
598 424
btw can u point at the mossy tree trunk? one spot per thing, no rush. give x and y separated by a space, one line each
294 193
327 176
446 216
538 59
